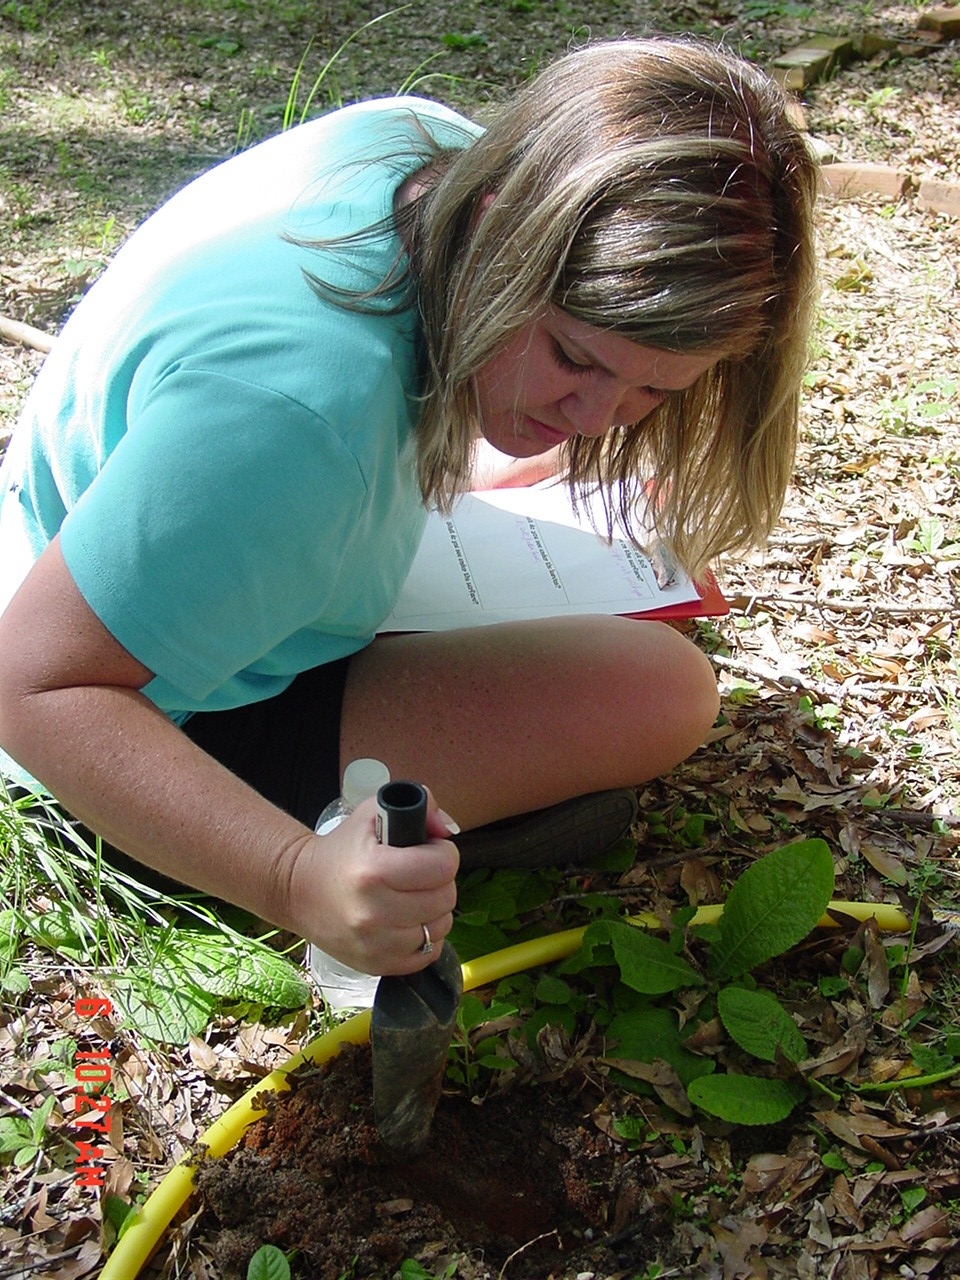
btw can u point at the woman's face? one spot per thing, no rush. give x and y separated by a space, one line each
558 378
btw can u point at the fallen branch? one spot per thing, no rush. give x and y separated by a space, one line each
24 334
831 690
911 817
746 603
21 1268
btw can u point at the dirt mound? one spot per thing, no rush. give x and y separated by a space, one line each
515 1172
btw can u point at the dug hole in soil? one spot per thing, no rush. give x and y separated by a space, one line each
513 1181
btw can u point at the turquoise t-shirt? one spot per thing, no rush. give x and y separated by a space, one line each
229 458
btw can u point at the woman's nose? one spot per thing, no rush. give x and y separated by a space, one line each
591 413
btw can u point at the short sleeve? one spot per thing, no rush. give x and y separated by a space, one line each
216 529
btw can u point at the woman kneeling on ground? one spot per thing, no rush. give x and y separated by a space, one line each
220 479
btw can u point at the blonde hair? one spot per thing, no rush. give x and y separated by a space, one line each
657 189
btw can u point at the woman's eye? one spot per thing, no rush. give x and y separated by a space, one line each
565 361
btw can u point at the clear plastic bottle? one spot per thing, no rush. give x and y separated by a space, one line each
342 987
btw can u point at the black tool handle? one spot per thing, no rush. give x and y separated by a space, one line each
413 1015
401 814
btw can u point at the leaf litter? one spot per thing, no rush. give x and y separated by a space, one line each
841 720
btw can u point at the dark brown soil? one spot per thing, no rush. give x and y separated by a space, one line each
518 1171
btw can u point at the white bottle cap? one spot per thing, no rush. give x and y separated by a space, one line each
363 778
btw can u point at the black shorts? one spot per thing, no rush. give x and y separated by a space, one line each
286 747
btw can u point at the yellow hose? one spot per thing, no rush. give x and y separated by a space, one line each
141 1236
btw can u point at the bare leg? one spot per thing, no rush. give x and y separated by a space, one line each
503 719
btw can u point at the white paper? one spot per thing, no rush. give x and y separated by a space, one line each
505 554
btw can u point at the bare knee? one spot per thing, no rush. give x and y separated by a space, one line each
501 719
696 697
663 694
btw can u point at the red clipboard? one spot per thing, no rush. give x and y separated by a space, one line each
712 604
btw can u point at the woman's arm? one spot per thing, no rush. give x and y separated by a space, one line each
73 714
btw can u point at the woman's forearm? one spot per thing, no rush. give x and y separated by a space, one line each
128 773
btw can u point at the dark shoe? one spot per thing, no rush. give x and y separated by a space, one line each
573 832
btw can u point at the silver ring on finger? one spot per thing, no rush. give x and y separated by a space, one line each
427 948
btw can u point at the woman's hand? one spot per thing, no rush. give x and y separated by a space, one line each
366 903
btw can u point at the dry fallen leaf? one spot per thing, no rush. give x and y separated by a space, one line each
887 864
740 1249
877 968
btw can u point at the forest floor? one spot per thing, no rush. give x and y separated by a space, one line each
837 666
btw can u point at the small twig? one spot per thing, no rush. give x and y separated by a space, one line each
21 1268
17 1106
911 817
786 679
517 1252
10 1212
851 606
751 669
25 334
926 1131
33 1174
625 1236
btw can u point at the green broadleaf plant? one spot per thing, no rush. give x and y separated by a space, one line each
236 973
772 907
160 1006
173 994
268 1263
745 1099
647 964
24 1137
12 979
652 1032
759 1024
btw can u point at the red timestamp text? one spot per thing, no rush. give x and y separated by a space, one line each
93 1073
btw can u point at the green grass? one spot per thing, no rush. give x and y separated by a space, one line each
169 962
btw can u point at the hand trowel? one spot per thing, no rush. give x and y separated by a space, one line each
413 1015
